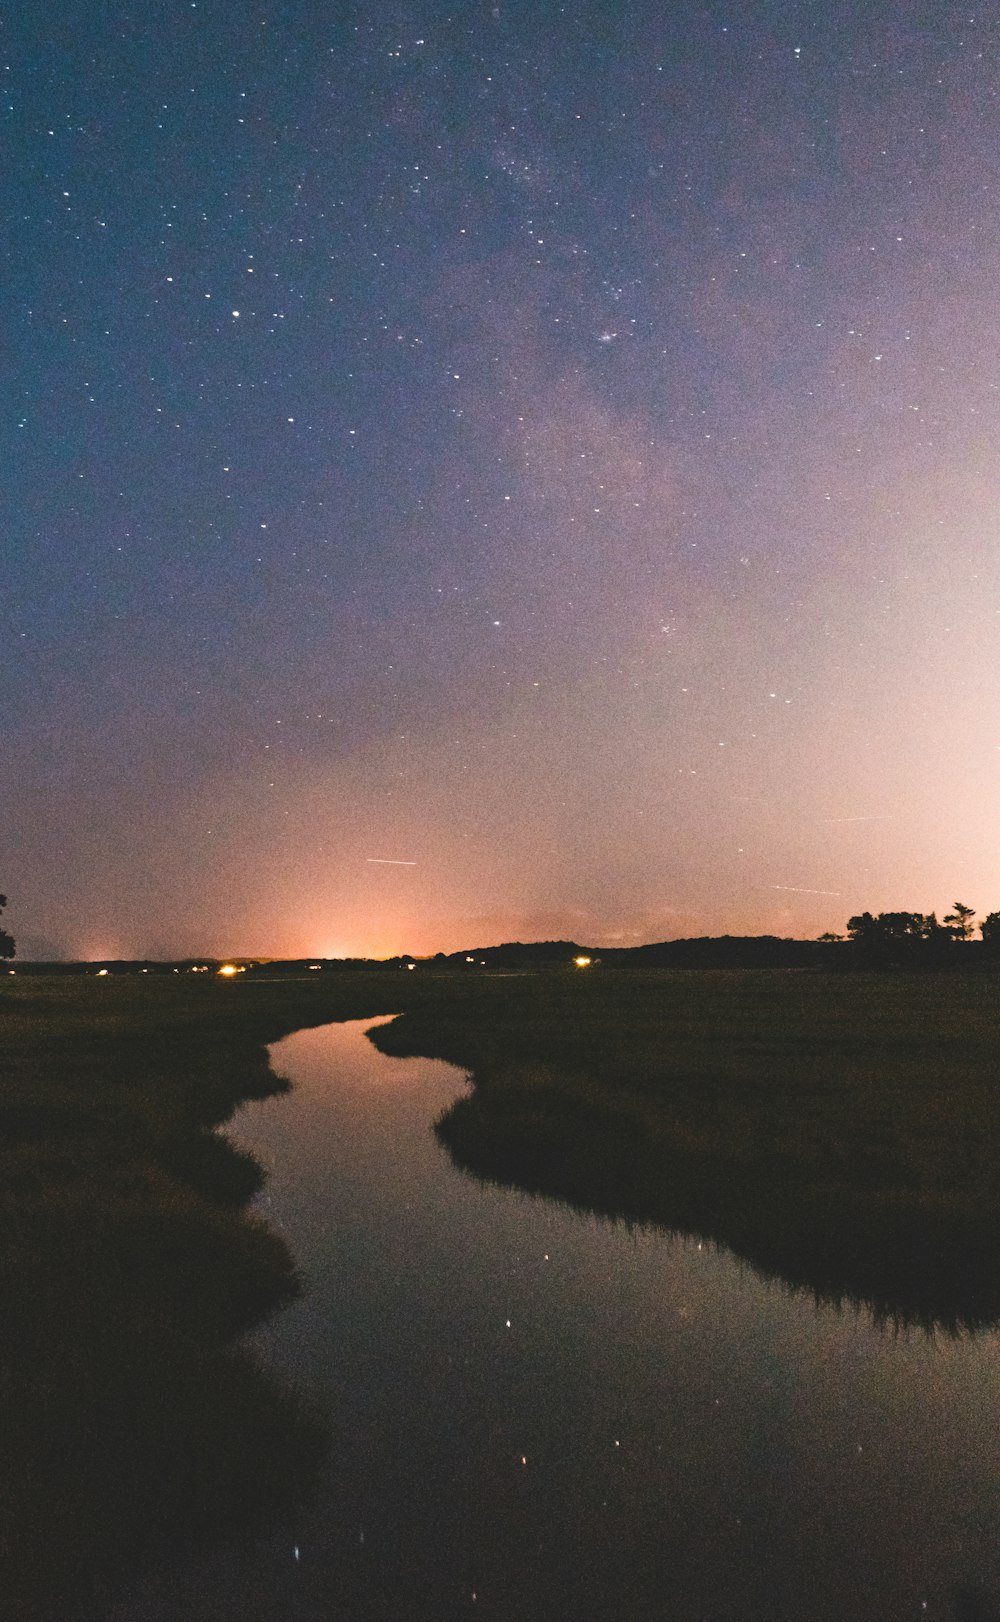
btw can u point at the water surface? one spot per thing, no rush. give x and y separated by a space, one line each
539 1415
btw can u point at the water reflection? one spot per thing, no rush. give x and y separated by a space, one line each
568 1419
975 1606
911 1256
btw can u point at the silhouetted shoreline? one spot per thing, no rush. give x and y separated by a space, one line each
693 952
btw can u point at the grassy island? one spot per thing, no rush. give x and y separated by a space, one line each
839 1131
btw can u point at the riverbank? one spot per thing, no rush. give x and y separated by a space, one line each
840 1132
132 1418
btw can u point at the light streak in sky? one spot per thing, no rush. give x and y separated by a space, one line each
389 861
801 889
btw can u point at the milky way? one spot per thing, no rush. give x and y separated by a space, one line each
553 448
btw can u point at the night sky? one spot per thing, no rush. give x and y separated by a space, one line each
487 472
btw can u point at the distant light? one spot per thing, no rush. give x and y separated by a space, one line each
470 960
100 972
229 969
582 962
314 965
411 965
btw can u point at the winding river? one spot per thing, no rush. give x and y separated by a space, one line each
541 1416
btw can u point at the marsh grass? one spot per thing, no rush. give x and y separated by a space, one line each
131 1419
839 1131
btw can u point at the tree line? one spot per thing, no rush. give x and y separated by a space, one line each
919 933
7 947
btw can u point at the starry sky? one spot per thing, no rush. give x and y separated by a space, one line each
477 472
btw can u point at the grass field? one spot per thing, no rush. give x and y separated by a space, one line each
130 1418
839 1131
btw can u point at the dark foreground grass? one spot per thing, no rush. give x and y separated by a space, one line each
130 1417
840 1132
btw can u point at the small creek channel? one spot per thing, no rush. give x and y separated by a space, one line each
539 1415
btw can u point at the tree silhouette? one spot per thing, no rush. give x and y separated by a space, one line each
961 921
889 927
907 937
990 931
7 947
